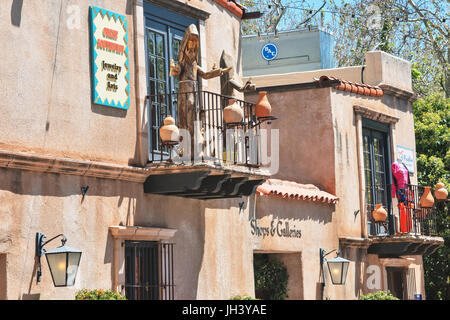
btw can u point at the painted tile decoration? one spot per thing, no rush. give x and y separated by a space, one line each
109 58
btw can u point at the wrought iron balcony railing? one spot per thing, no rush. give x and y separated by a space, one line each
405 213
204 135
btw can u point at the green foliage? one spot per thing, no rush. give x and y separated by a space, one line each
379 295
244 297
271 278
432 118
98 294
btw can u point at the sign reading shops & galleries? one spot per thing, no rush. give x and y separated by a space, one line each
109 58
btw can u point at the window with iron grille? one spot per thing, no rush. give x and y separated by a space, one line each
149 270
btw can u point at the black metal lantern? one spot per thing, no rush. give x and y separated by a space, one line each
63 261
338 268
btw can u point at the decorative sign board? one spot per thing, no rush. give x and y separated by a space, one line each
269 51
109 54
407 156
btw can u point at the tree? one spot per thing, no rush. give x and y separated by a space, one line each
416 30
431 121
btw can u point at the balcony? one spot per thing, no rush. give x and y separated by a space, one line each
211 159
409 229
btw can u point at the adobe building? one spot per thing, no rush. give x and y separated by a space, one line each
341 132
85 90
78 87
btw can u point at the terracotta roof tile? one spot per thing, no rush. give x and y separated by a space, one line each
233 6
353 87
293 190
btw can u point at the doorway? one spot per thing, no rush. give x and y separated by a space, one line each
278 276
396 279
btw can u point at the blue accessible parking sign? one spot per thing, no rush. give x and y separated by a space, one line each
269 51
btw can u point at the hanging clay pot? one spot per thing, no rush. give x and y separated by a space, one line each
169 131
379 214
262 107
233 112
440 192
427 200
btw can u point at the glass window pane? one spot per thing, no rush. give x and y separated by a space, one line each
159 45
161 88
151 42
175 48
152 88
152 67
74 260
57 261
160 67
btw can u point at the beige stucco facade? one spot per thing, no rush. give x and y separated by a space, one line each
64 142
321 143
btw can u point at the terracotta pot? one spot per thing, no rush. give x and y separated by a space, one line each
262 107
169 131
379 214
427 200
233 112
440 192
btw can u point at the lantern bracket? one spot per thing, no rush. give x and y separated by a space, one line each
323 255
40 243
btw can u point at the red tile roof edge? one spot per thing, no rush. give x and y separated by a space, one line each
293 190
353 87
232 6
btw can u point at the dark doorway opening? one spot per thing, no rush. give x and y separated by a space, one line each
396 281
271 277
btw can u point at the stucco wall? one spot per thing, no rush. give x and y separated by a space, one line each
212 243
317 223
45 80
306 150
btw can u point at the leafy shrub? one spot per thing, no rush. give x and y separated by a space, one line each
244 297
271 278
379 295
98 294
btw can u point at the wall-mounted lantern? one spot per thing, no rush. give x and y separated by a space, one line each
338 267
63 261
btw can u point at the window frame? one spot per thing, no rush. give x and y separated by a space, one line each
385 130
120 234
172 24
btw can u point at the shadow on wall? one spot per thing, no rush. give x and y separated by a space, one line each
300 210
358 281
16 12
25 182
398 104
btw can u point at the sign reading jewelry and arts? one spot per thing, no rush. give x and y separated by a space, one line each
109 54
277 228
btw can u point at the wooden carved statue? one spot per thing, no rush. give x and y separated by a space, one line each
187 71
230 81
